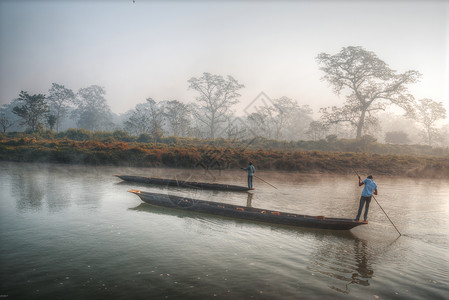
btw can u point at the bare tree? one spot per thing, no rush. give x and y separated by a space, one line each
297 118
156 119
281 119
138 121
5 119
92 111
217 95
317 130
371 83
59 100
178 117
444 133
427 112
146 118
259 122
280 115
235 129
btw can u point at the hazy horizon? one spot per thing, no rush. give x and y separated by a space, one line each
151 48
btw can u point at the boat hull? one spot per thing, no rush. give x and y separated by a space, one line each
187 184
247 213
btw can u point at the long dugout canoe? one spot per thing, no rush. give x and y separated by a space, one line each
247 213
187 184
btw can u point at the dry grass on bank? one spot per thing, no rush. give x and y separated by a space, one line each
136 154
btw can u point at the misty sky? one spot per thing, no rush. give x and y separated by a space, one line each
151 48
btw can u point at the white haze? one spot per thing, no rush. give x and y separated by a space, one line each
151 48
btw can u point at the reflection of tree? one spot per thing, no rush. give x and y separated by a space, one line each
57 198
350 265
30 192
35 186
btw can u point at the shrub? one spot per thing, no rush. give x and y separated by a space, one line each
144 138
78 134
396 137
123 136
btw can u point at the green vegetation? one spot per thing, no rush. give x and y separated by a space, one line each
79 146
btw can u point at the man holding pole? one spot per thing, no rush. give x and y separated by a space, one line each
368 191
251 171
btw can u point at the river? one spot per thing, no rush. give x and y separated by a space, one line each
74 232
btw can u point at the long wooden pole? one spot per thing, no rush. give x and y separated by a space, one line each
381 207
387 216
264 181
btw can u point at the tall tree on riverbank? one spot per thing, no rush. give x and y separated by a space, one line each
138 121
59 100
371 83
217 96
177 115
317 130
6 120
146 118
426 113
32 109
283 118
156 115
92 111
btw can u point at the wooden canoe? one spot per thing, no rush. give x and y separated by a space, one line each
247 213
179 183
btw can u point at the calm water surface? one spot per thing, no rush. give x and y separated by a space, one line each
74 232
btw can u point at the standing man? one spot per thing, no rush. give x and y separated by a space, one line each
251 171
368 191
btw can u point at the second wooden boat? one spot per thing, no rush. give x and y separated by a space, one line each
180 183
244 212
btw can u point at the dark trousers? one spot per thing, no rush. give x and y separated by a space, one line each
363 201
250 182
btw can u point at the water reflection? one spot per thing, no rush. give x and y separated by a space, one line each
221 221
29 190
57 199
53 187
249 199
348 263
260 256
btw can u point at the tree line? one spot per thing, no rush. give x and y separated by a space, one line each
369 85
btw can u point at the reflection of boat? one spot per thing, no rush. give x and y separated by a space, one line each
243 212
190 184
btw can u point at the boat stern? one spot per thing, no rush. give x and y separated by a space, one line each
137 192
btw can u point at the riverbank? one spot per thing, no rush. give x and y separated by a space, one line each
217 157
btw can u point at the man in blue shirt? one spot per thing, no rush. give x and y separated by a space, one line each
251 171
369 189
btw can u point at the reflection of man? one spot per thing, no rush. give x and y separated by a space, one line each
358 264
249 199
251 170
368 191
363 266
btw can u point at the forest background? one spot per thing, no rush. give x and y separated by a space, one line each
64 126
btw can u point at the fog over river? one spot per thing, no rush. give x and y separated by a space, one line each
74 232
